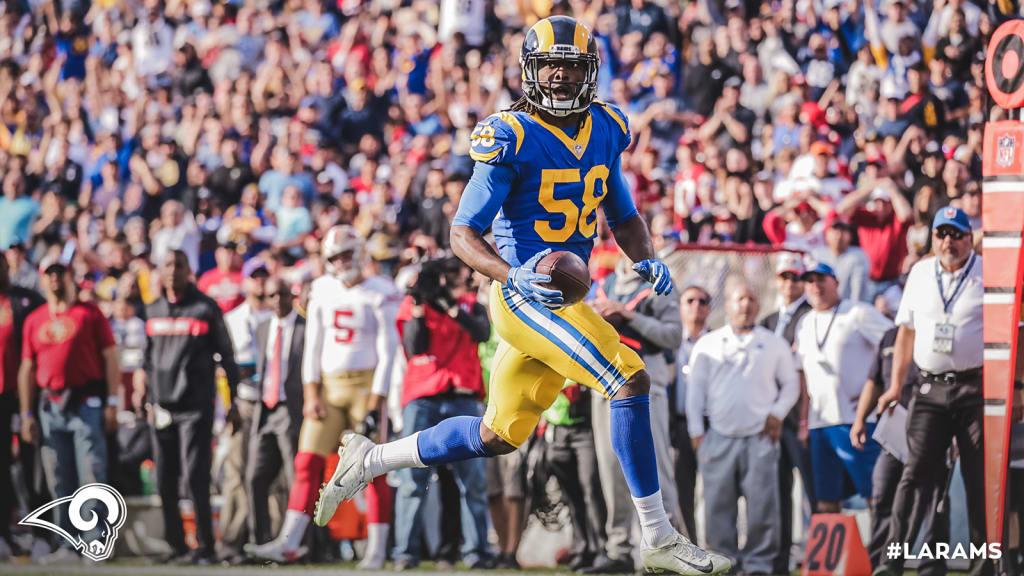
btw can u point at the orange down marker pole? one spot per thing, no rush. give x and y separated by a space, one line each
1002 225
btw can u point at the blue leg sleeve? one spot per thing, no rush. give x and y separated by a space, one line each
452 440
634 444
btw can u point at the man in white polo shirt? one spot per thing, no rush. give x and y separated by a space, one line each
940 329
835 344
743 378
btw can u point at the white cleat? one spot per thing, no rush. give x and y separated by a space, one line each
275 551
349 477
680 556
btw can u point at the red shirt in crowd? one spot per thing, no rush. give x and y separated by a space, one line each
452 359
224 287
885 242
67 348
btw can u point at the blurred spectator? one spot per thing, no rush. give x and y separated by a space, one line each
15 305
572 459
694 308
651 325
69 373
274 434
742 379
241 322
850 262
835 343
17 209
792 305
881 228
224 283
885 479
506 495
440 323
177 231
20 269
185 332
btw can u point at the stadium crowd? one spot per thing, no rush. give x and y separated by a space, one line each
156 154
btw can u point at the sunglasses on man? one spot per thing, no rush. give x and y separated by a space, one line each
942 233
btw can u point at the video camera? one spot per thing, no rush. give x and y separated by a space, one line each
434 282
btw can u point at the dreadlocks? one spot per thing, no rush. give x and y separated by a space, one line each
524 105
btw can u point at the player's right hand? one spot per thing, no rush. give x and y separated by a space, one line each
526 282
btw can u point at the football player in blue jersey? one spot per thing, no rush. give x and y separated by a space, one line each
543 168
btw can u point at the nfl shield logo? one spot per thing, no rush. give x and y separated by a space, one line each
949 212
577 149
1005 150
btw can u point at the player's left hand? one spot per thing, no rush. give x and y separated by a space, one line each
370 424
656 272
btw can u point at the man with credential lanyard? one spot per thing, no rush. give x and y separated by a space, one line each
835 344
940 329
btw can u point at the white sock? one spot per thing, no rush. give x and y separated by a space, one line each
653 520
402 453
294 528
377 541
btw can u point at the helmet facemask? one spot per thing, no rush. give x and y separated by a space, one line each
346 265
344 254
541 93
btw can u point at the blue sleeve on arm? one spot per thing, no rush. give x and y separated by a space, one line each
618 206
484 194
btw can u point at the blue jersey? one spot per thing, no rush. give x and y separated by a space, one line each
540 187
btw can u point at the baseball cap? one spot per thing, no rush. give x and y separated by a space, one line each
50 262
820 148
734 82
819 268
874 158
253 267
932 148
952 216
789 262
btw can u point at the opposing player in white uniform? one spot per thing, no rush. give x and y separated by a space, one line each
351 342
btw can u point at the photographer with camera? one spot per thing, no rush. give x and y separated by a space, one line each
441 325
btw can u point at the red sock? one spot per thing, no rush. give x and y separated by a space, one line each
378 501
309 473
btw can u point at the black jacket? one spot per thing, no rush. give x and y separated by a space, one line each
770 322
182 339
23 302
293 378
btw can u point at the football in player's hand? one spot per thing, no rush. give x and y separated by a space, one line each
568 273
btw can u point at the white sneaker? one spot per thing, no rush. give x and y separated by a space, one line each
276 551
376 547
680 556
349 477
61 556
